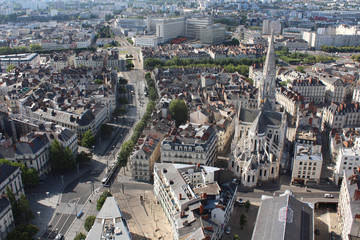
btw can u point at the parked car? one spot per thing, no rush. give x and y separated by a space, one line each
328 195
228 230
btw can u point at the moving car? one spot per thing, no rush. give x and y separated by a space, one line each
59 237
328 195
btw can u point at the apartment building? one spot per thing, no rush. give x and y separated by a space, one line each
11 177
307 162
336 89
356 94
146 152
7 223
110 223
337 116
312 89
190 143
349 204
347 159
18 60
289 100
196 204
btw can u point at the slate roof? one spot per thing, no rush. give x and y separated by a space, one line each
284 218
260 119
86 118
6 152
5 171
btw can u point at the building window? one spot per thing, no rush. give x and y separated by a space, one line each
300 163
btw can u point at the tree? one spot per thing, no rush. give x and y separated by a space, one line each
30 177
106 129
242 221
88 139
300 69
179 111
98 81
83 158
89 222
23 232
236 237
101 200
35 47
80 236
247 205
21 207
61 159
9 68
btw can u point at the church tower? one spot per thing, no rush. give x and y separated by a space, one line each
267 84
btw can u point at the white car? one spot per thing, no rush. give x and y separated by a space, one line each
228 230
328 195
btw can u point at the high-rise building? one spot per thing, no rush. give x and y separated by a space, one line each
212 34
168 29
195 24
268 25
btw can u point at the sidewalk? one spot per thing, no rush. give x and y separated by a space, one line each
44 205
88 209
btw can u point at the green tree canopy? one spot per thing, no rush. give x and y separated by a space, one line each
300 69
106 129
83 158
88 139
35 47
101 200
179 111
80 236
61 159
247 205
9 68
242 221
23 232
89 222
21 207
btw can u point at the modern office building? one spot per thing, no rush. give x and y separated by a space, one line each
212 34
167 29
194 26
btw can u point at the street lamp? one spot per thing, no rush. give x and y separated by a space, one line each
47 194
38 213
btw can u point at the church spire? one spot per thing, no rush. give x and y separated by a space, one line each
269 67
267 84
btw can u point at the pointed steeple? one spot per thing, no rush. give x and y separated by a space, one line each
269 67
267 84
